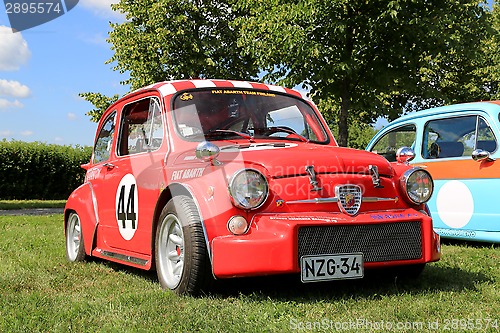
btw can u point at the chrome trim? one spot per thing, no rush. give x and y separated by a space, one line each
375 176
230 189
405 155
126 258
335 199
479 155
376 199
208 152
315 200
312 178
350 198
403 181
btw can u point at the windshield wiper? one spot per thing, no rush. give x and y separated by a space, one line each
216 132
276 129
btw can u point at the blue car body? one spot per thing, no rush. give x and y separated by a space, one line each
458 144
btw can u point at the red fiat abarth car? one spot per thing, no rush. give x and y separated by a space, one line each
204 179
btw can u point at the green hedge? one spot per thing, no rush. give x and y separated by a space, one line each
34 170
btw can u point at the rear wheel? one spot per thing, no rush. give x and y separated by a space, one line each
75 249
181 257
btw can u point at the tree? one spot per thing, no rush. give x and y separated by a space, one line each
377 56
178 39
174 39
490 71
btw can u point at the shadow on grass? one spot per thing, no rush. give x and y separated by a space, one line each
376 283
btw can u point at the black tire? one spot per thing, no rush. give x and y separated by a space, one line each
75 248
181 256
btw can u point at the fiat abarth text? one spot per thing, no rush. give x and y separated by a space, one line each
204 179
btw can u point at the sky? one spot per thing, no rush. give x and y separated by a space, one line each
44 68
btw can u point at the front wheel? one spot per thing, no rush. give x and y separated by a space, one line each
75 249
182 262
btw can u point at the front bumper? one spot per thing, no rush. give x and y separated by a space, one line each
275 242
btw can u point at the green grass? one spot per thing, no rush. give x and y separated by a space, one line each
27 204
41 292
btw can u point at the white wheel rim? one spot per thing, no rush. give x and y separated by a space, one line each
171 251
73 236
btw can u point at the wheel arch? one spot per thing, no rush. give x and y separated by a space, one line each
168 193
78 203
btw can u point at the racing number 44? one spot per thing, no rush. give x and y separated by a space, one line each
129 214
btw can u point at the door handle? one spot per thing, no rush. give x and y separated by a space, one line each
109 165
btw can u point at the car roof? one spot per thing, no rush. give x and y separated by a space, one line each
492 107
171 87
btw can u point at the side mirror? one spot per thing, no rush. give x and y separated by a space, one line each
208 152
479 155
405 155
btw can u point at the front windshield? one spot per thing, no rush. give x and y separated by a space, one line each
219 114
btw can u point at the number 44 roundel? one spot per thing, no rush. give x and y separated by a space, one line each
126 206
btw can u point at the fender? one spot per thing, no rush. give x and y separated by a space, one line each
78 202
174 189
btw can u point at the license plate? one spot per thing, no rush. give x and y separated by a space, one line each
331 267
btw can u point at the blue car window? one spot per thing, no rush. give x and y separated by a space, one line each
388 144
457 137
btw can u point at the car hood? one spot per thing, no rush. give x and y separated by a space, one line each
290 159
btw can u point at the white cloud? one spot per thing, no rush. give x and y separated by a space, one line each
27 133
6 133
6 104
101 7
71 116
14 51
96 39
58 139
14 89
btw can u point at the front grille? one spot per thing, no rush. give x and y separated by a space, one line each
377 242
349 198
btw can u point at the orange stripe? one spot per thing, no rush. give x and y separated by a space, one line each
463 169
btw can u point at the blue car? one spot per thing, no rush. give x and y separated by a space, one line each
458 145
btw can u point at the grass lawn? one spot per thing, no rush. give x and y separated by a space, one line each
41 292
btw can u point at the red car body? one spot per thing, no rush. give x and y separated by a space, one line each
261 199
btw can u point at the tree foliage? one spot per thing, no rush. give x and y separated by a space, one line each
100 102
489 72
178 39
378 56
174 39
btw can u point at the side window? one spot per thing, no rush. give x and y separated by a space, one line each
104 142
399 137
141 127
457 137
485 137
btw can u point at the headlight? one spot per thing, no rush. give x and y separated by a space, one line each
417 184
248 189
